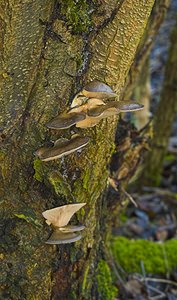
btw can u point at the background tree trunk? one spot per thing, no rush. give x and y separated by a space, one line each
46 57
164 118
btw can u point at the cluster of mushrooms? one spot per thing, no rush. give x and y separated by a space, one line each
93 103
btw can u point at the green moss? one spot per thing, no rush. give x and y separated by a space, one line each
170 157
122 216
29 216
60 185
86 178
77 15
129 254
85 278
38 168
106 290
2 163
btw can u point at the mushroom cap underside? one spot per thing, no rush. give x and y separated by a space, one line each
59 237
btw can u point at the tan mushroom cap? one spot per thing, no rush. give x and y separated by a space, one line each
91 103
78 100
88 122
60 216
92 121
59 237
66 120
62 147
99 90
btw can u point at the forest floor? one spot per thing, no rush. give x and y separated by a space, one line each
155 217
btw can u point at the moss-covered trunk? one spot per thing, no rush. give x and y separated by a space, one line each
49 49
164 118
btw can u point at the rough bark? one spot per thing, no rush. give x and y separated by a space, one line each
44 61
164 118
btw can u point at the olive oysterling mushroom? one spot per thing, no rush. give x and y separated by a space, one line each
62 147
91 103
114 107
66 120
59 218
60 237
97 113
99 90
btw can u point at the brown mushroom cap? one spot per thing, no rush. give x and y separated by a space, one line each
59 237
60 216
99 90
62 148
128 106
66 120
100 110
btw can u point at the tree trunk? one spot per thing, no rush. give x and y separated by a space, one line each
46 57
164 118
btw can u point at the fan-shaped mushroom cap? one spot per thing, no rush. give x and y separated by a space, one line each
125 106
113 107
66 120
99 90
60 216
59 237
99 112
62 147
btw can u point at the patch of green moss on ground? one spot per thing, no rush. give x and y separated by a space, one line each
106 290
77 15
130 253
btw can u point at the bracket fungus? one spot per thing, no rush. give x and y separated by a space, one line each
59 218
91 105
111 108
66 120
99 90
114 107
62 147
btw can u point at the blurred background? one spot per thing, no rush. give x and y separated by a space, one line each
148 227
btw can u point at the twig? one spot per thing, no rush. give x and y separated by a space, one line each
161 280
130 197
160 296
159 191
166 260
144 277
